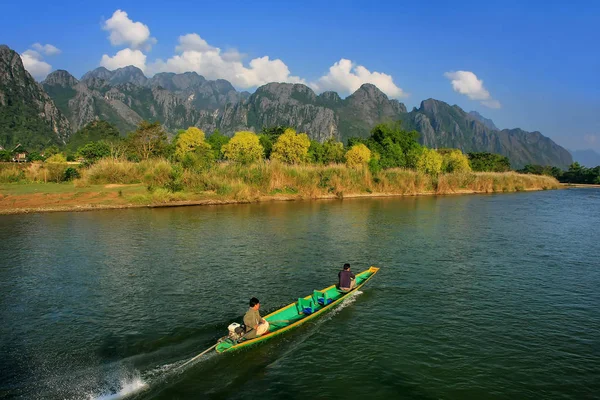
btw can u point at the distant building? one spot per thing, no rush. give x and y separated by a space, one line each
20 156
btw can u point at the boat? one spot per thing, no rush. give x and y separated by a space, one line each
295 314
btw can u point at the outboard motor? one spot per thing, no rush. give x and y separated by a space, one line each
236 331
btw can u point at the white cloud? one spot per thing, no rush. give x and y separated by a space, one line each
124 58
123 31
195 54
33 63
47 49
467 83
345 76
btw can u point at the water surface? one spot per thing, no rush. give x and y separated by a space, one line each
478 297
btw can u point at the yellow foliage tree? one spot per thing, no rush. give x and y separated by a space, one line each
188 141
358 156
244 147
291 148
455 161
430 162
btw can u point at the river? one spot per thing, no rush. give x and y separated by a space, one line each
479 296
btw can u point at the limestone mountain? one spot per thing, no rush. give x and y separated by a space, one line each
442 125
125 96
27 114
488 123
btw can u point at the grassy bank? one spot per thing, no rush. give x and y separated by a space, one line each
111 183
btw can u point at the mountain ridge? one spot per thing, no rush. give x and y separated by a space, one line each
126 96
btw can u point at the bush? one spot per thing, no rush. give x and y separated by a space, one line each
70 174
57 158
244 148
333 151
217 141
291 148
358 156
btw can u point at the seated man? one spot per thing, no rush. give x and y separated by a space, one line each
347 279
255 325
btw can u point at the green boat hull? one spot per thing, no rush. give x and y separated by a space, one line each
299 312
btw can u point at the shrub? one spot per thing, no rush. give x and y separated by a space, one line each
358 156
56 158
201 159
243 148
70 174
291 148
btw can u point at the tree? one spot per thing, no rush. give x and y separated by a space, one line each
430 162
488 162
217 140
396 147
201 159
268 136
188 141
5 155
358 156
333 151
291 148
244 148
94 151
454 160
148 140
315 152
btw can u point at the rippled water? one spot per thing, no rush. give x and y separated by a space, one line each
477 297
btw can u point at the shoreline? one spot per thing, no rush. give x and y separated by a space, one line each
262 199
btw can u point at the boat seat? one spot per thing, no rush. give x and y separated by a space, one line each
305 306
321 298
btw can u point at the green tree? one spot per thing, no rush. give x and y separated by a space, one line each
396 147
268 136
488 162
244 148
188 141
315 152
430 162
201 159
94 151
35 156
358 156
291 147
333 151
217 140
148 140
5 155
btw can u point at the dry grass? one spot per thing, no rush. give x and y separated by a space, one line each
32 172
268 179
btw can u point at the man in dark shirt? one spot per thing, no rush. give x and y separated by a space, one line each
347 279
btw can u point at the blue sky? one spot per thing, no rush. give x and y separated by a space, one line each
533 66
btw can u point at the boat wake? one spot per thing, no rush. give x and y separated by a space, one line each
125 387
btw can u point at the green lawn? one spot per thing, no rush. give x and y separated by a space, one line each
16 189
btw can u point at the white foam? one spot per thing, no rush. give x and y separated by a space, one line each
126 387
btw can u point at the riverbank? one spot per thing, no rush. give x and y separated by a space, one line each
116 185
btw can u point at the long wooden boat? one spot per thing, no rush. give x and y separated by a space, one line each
299 312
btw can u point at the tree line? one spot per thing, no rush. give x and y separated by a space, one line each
387 146
575 174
